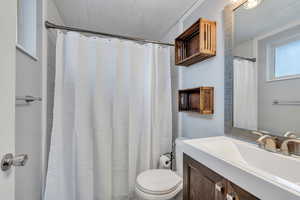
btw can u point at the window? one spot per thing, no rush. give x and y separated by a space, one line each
287 59
26 35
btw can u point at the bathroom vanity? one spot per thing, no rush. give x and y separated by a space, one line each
202 181
224 168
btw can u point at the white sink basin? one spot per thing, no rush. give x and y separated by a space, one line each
261 172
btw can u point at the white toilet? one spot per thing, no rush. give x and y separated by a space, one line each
161 184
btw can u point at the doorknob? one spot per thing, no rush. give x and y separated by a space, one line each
9 160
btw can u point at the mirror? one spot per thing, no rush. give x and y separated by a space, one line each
267 67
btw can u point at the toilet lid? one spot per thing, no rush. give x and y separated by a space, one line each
158 181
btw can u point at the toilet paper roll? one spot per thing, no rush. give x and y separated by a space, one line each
164 162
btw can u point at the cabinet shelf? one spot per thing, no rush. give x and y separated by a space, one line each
199 100
196 44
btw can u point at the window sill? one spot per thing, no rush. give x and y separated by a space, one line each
24 51
284 78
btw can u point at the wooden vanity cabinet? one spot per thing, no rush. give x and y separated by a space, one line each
201 183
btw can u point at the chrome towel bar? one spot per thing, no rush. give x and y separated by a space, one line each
277 102
28 98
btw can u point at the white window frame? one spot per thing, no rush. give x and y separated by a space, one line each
271 65
30 38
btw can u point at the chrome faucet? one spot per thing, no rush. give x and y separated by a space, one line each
265 141
284 146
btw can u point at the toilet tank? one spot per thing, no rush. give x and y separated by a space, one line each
179 155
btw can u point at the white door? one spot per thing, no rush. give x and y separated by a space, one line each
8 16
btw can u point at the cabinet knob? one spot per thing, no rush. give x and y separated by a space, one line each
231 196
219 187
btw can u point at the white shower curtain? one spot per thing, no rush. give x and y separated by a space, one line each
245 95
112 116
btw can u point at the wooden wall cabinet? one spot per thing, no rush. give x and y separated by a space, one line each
196 44
200 100
201 183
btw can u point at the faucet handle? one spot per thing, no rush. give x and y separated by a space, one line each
264 132
290 134
284 146
268 143
257 133
260 133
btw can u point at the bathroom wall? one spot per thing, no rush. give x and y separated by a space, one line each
28 119
29 130
207 73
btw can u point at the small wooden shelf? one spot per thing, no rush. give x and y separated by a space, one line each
196 44
200 100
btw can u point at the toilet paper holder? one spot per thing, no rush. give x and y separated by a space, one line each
171 156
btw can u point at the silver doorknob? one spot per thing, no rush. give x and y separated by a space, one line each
9 160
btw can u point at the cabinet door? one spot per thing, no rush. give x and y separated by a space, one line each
237 193
200 183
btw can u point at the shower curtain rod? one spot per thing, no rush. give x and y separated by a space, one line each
243 58
50 25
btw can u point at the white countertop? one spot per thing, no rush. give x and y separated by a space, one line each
268 176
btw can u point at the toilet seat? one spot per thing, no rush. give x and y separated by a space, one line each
158 184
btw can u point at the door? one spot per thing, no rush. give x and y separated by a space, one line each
8 16
200 183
